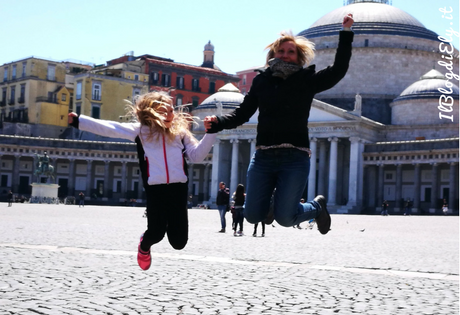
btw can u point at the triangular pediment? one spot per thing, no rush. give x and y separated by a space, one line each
321 112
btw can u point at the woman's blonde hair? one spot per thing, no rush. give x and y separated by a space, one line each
305 48
146 110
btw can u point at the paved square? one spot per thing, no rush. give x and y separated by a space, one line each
58 259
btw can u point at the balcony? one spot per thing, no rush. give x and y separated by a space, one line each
3 103
21 100
11 101
46 99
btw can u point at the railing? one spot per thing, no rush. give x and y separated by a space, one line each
96 97
3 103
21 100
46 99
11 101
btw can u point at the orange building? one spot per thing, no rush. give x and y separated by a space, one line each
187 84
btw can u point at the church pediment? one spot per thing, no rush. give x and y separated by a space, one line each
321 112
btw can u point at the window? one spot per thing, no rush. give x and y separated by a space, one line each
24 64
12 95
179 99
165 79
136 77
244 79
63 97
5 74
196 85
154 78
366 43
23 94
96 111
195 101
4 95
78 96
212 87
51 72
13 73
96 91
78 108
136 93
180 83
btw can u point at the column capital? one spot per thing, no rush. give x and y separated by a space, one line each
107 161
451 163
234 140
313 139
333 139
217 141
434 164
252 140
354 139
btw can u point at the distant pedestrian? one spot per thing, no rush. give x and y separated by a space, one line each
222 202
255 229
10 198
81 195
408 207
239 197
445 207
384 208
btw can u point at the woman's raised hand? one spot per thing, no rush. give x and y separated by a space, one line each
208 120
348 20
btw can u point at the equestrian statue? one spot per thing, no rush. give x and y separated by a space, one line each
42 166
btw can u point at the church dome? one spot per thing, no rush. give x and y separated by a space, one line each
371 17
209 46
428 87
229 95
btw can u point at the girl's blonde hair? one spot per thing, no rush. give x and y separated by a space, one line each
305 48
146 110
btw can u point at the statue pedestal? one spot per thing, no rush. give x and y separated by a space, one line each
44 193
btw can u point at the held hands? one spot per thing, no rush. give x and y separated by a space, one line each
348 21
70 117
208 120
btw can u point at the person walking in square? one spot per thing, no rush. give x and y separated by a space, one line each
10 198
163 141
283 94
81 197
222 202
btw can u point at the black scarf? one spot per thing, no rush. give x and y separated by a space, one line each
283 69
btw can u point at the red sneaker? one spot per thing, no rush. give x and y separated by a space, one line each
143 258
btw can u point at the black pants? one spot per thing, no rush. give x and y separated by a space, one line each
166 213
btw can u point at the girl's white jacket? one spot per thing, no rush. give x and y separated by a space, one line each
164 158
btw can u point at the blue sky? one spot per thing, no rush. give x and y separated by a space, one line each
95 31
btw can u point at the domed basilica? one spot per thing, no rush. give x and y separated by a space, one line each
387 131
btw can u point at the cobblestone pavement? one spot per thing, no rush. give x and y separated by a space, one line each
71 260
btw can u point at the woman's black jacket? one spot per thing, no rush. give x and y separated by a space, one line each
284 105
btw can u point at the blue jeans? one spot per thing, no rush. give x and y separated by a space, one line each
222 210
287 171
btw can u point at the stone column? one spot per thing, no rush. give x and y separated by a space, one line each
106 178
380 187
312 175
332 192
398 191
1 155
206 181
71 183
322 168
215 171
452 188
88 178
416 206
15 179
354 172
434 187
124 175
253 148
234 169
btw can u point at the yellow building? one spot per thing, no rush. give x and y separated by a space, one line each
34 97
